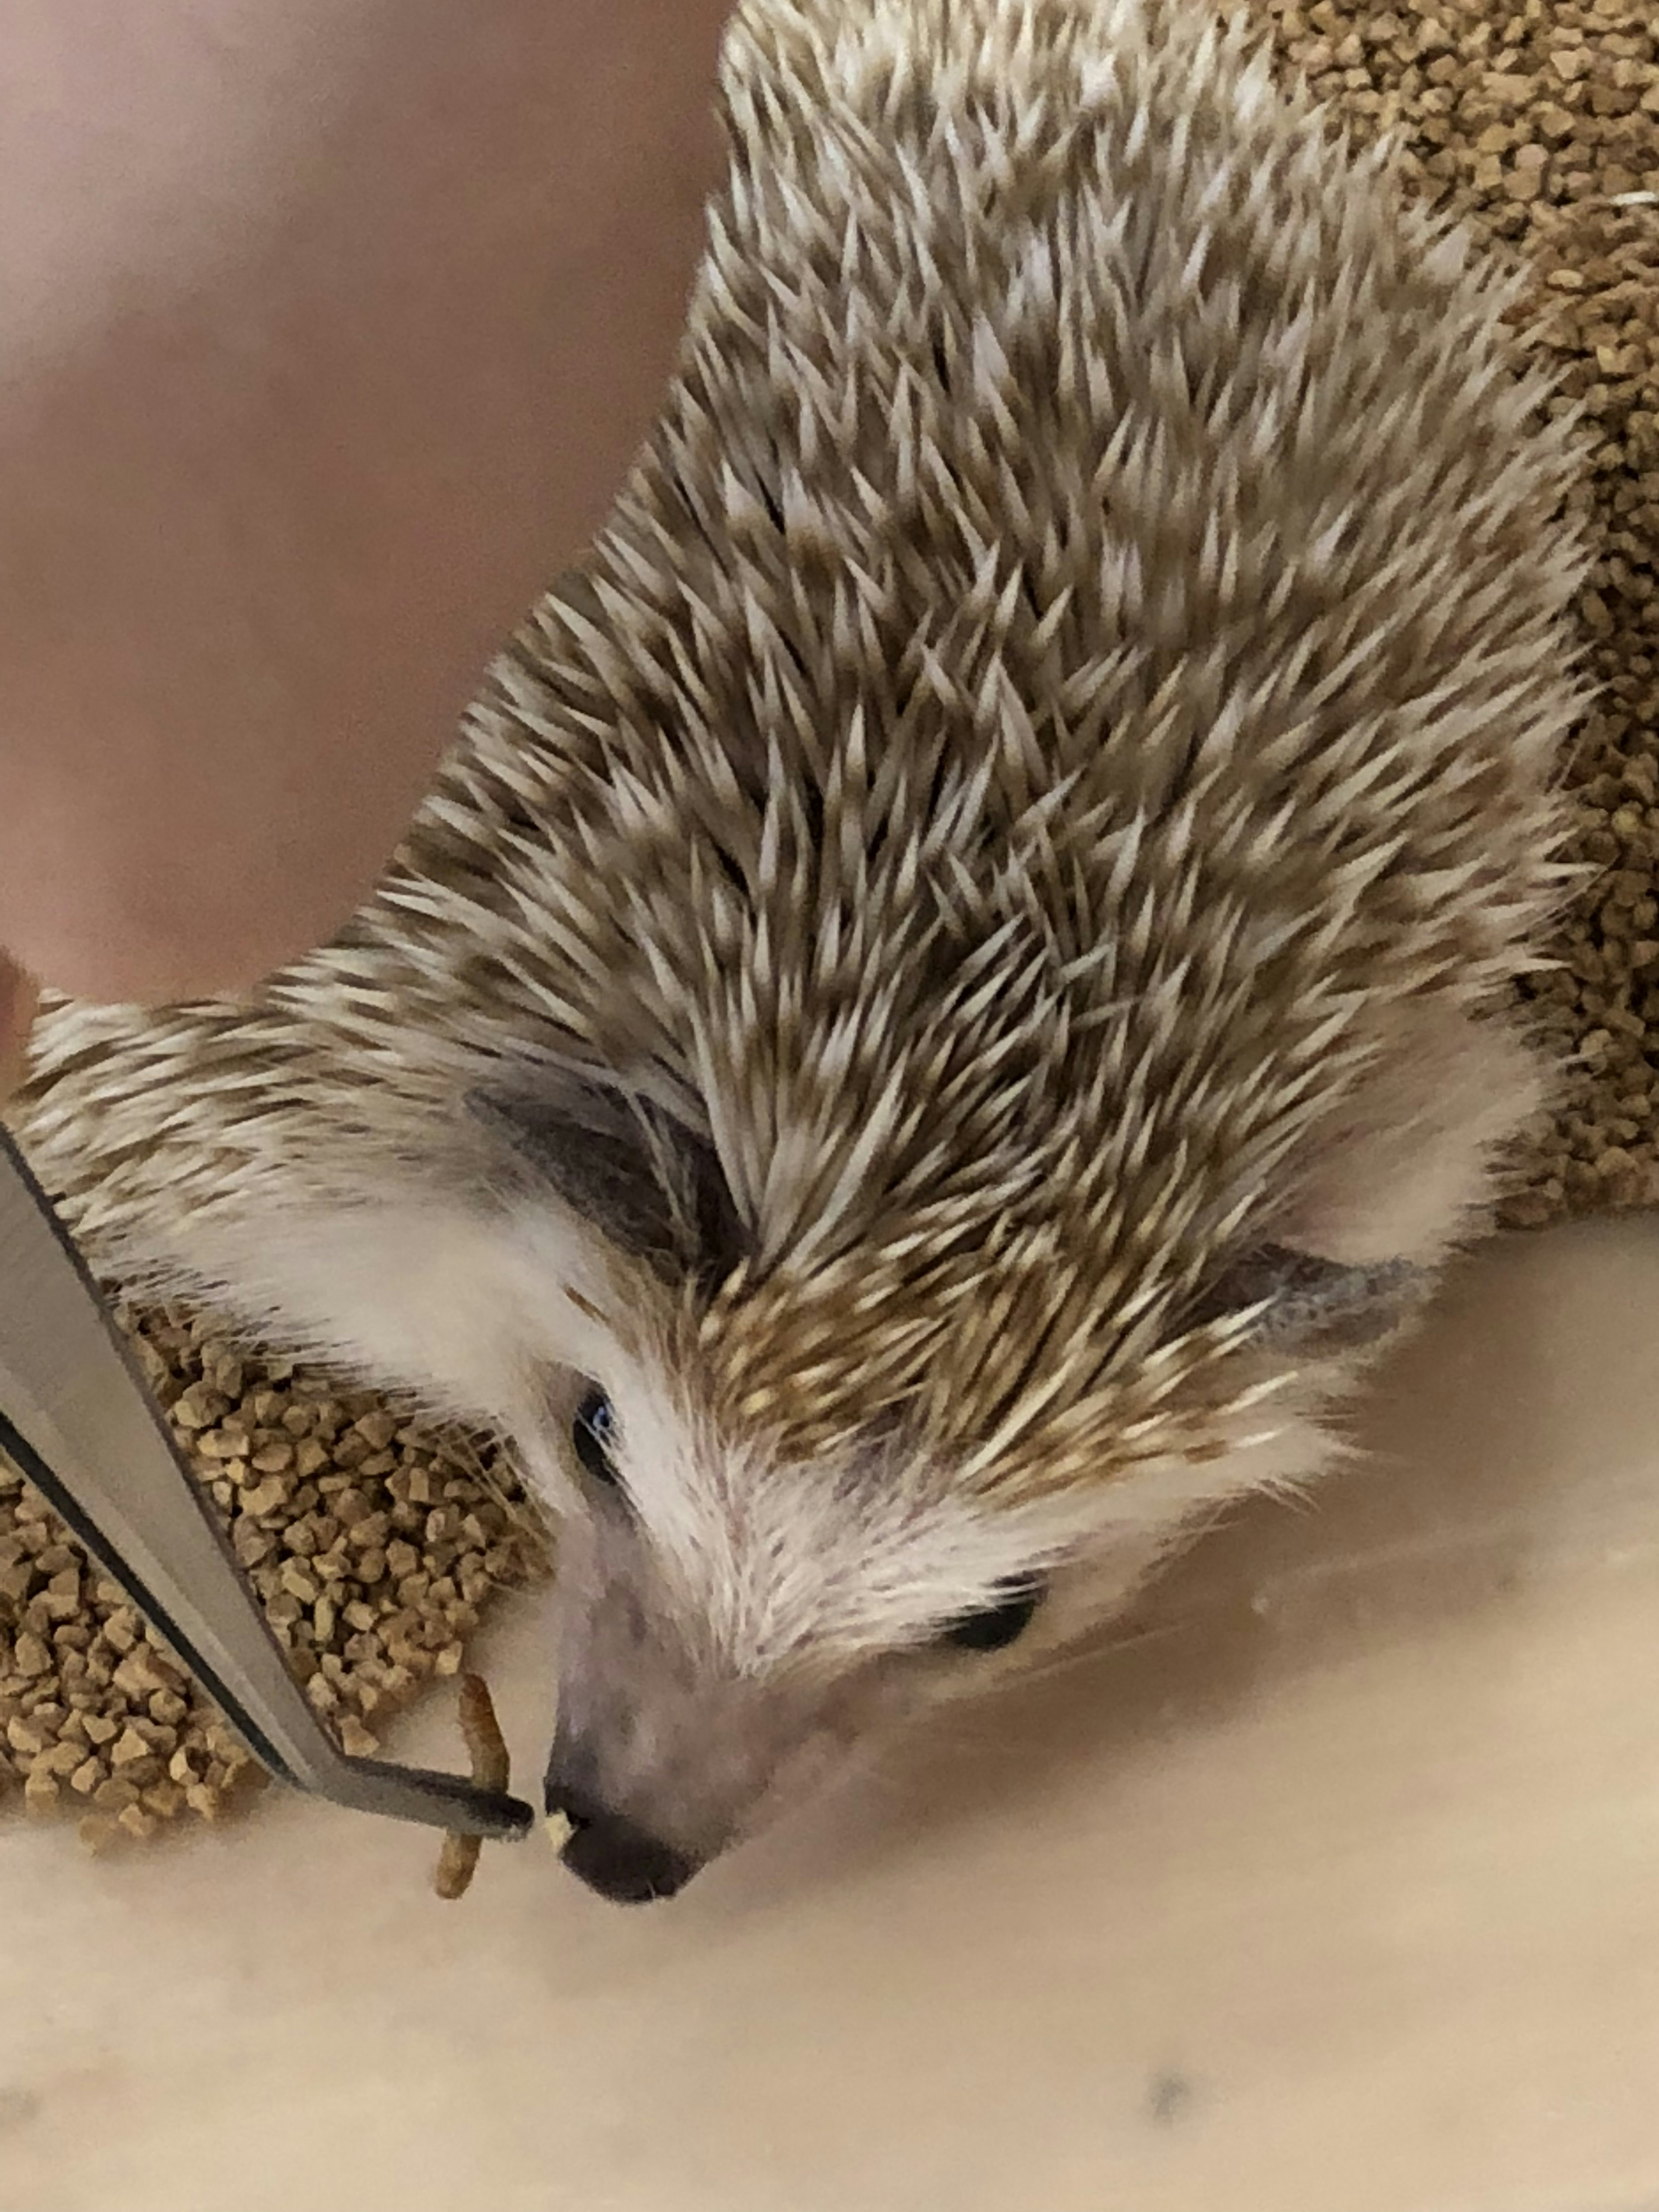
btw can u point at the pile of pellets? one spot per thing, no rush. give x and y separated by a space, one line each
1537 121
374 1546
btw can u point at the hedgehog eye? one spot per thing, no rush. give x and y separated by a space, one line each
1000 1625
593 1434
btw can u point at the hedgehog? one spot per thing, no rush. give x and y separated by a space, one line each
954 988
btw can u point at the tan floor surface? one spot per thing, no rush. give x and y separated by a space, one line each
1336 1890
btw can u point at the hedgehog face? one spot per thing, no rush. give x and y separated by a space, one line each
733 1629
734 1632
750 1591
736 1618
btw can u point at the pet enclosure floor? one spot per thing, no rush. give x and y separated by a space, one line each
1332 1890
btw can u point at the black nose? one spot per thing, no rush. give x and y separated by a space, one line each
611 1855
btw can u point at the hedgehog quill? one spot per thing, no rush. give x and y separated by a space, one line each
951 994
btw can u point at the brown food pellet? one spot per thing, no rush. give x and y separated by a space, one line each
97 1720
1539 125
41 1793
491 1769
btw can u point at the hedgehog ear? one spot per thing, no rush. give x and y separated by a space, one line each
1402 1164
1318 1309
648 1184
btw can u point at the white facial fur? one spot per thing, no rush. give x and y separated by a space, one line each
729 1629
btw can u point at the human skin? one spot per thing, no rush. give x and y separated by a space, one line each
329 332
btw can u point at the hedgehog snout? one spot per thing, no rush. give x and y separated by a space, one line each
656 1786
657 1773
610 1853
667 1751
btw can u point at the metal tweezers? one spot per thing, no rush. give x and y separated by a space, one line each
76 1420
